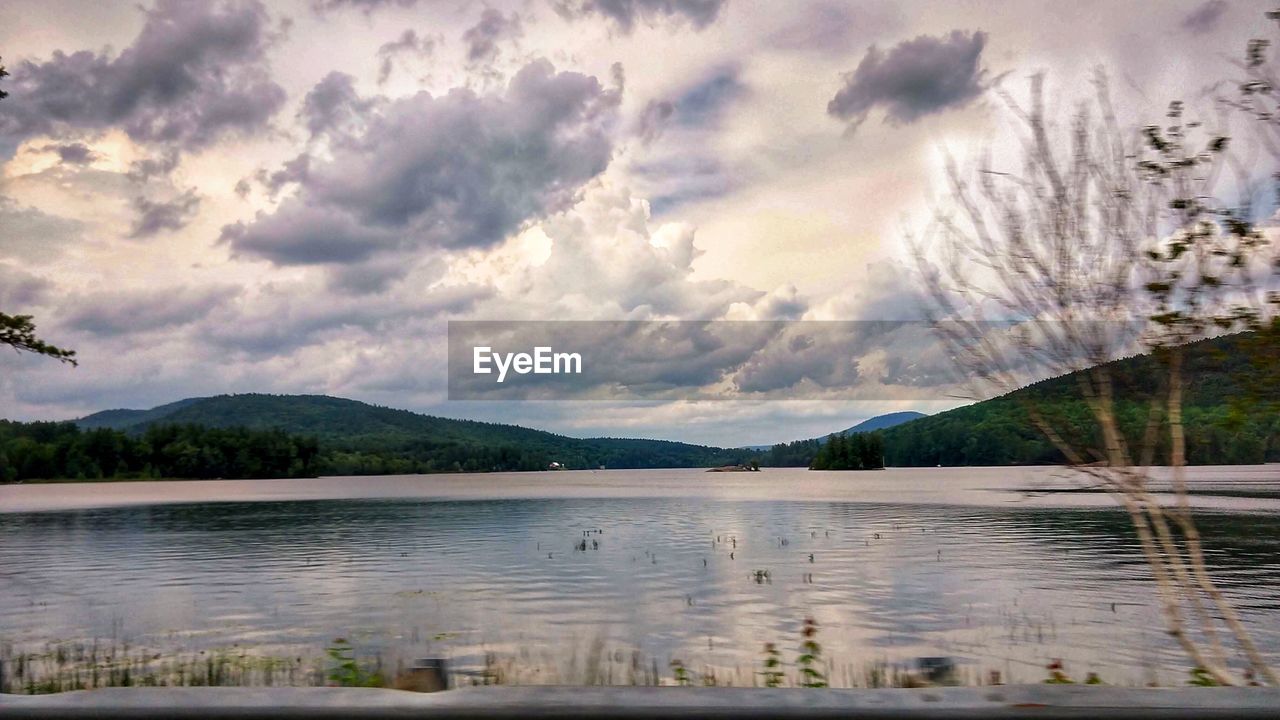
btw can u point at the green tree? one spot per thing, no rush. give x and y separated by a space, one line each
19 333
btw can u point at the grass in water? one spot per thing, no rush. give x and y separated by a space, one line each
810 656
346 671
66 666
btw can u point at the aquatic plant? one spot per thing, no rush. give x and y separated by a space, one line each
1056 674
346 671
1201 677
772 666
810 656
680 673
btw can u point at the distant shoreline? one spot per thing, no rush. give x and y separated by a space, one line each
718 469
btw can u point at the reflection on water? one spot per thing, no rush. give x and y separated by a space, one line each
1000 586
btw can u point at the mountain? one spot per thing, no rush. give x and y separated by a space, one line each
1230 401
879 422
358 438
882 422
122 419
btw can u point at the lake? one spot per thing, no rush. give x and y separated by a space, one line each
981 565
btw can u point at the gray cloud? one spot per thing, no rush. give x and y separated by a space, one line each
333 105
1205 17
155 216
631 360
653 119
482 38
285 318
195 72
915 78
129 312
706 360
823 27
20 289
461 170
28 234
367 278
300 233
684 176
367 6
291 171
802 353
143 170
626 13
705 101
72 153
409 43
686 167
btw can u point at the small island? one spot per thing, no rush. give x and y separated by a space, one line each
855 451
754 466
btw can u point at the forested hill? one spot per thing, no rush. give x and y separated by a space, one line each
1231 402
359 438
1232 398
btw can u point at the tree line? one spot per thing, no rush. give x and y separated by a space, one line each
855 451
1002 434
852 451
64 451
61 450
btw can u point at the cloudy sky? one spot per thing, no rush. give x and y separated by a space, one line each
296 197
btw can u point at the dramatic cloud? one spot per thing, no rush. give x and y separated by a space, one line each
361 213
128 312
196 72
626 13
604 259
452 172
916 78
155 216
482 38
1205 17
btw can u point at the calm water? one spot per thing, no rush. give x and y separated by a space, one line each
906 563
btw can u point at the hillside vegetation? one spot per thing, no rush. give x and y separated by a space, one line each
358 438
1231 417
1230 413
48 450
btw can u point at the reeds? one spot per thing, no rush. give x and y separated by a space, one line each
65 666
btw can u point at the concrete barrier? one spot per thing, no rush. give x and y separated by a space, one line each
1032 701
